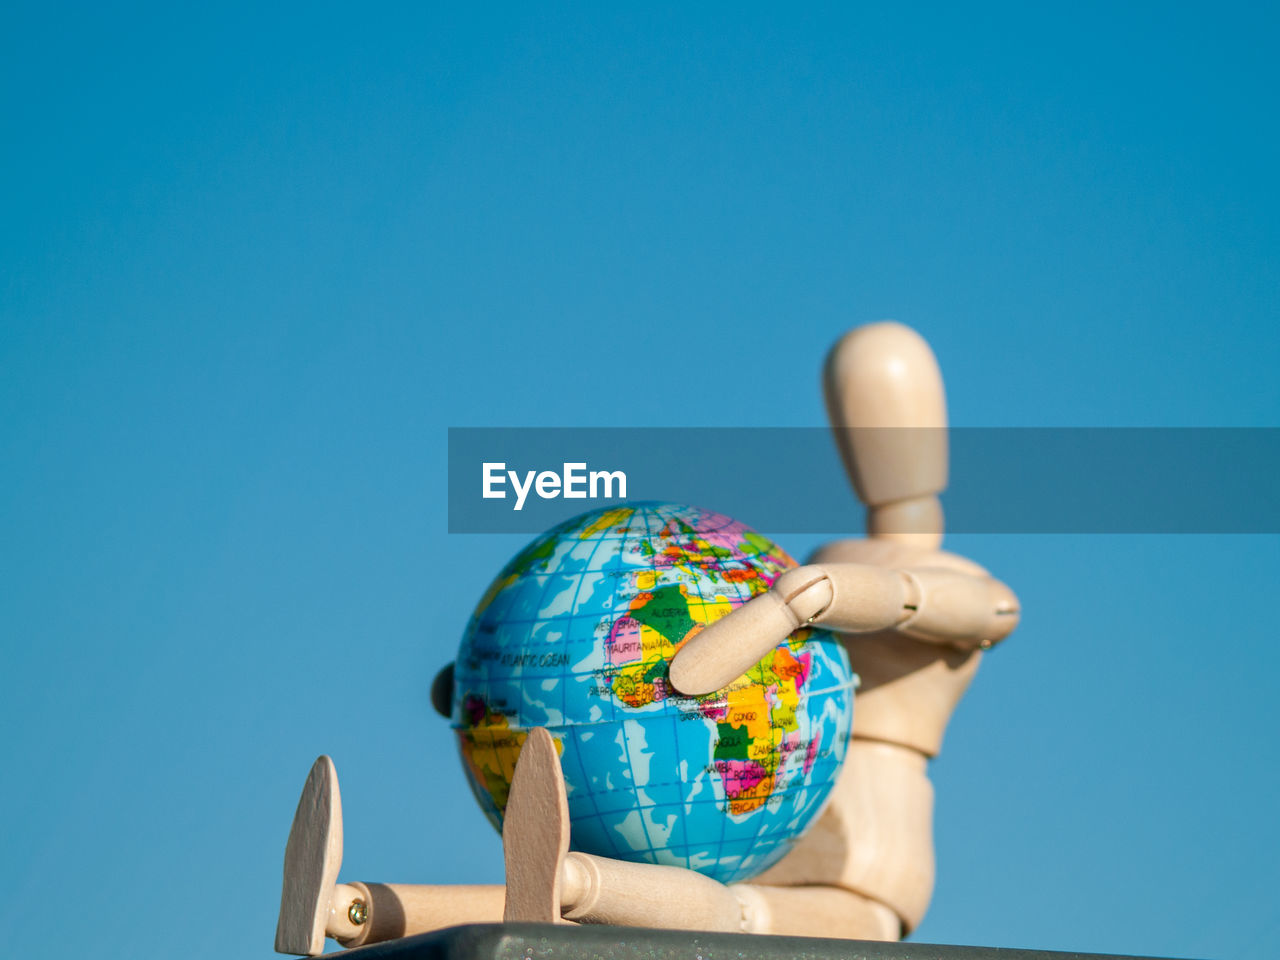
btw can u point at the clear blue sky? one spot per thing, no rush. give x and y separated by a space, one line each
254 261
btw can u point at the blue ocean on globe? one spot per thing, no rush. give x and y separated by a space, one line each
576 635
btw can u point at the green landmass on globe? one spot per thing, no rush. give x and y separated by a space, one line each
576 634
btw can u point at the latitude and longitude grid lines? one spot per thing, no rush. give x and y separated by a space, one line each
757 844
753 842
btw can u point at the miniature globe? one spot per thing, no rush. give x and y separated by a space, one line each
576 635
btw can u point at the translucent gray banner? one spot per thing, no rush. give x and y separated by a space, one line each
791 479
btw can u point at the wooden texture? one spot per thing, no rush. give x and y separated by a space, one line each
646 895
935 604
401 910
909 687
885 399
313 905
856 597
888 412
914 620
726 649
875 836
535 832
312 858
813 911
916 523
959 609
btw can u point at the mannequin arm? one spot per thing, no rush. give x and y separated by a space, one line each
931 604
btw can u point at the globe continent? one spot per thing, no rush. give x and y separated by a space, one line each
576 634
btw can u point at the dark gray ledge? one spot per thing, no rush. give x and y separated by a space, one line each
526 941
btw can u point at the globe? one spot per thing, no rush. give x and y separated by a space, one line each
576 634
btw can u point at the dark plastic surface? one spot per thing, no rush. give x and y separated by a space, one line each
532 941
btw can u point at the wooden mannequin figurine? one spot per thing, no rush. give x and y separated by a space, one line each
914 620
